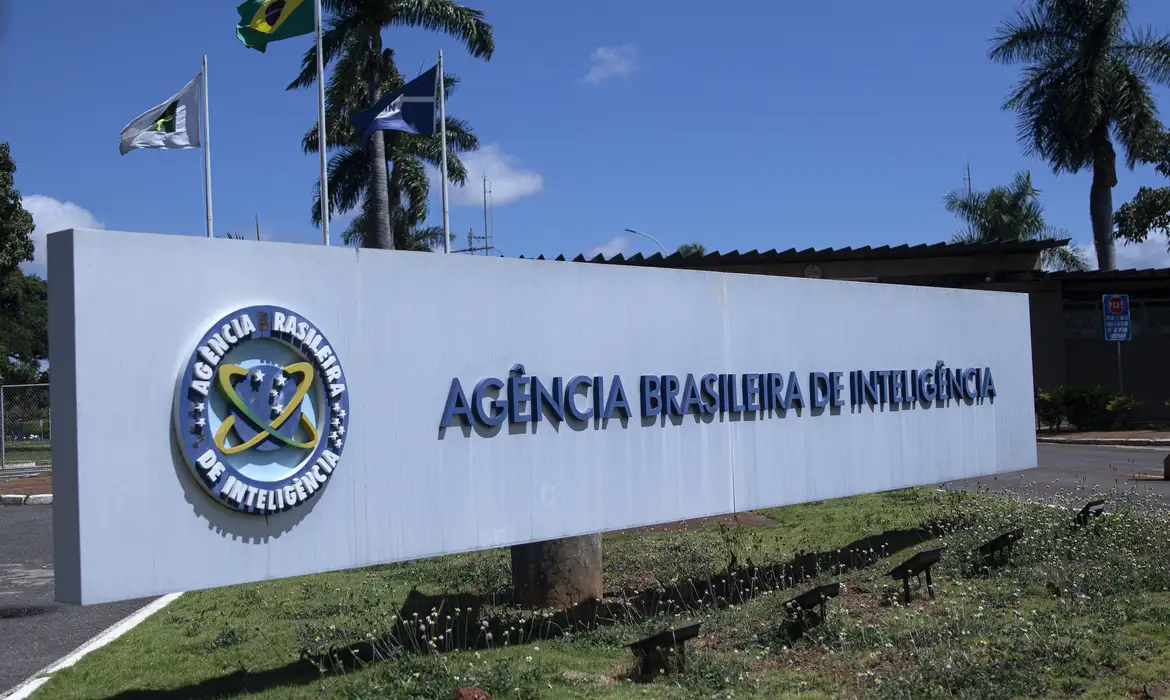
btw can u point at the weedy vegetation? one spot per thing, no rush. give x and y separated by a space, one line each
1078 610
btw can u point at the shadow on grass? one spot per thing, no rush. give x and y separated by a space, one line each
474 625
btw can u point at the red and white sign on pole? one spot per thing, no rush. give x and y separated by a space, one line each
1117 325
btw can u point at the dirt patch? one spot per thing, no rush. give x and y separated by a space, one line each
27 485
747 518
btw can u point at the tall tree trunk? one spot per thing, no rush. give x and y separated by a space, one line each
557 573
379 234
1101 198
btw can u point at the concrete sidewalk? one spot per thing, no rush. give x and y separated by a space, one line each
1121 438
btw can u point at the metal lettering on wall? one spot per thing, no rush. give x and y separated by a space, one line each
524 399
261 411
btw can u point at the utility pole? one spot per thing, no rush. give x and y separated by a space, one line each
472 239
486 248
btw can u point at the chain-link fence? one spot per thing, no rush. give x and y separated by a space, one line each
25 426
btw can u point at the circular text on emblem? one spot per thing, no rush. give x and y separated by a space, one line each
261 411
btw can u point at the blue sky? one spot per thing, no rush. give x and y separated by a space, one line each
786 125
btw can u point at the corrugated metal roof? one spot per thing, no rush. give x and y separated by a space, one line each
1134 274
808 255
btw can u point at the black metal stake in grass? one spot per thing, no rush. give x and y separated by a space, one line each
663 653
1092 509
994 550
915 566
802 607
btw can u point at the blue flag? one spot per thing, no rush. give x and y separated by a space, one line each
410 108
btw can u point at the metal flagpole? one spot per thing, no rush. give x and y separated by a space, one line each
207 150
443 136
321 132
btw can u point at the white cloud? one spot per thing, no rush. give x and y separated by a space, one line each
1135 256
612 247
50 215
507 181
611 61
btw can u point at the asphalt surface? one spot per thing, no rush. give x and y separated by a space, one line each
1097 468
35 631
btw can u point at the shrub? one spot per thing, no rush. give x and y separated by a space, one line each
1087 407
1049 410
1092 407
1122 406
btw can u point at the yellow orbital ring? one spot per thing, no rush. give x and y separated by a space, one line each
223 378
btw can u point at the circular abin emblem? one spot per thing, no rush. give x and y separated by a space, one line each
261 411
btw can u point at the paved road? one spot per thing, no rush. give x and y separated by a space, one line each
1099 468
34 630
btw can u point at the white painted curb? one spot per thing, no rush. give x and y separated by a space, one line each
39 499
30 686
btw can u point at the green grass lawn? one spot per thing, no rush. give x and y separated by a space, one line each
1078 611
18 451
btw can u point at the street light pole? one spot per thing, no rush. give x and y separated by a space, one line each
664 251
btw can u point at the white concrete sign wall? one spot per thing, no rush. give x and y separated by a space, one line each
229 411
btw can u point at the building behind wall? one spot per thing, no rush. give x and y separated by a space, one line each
1068 345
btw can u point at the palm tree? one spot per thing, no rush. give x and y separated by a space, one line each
364 70
1085 84
1012 213
691 249
407 185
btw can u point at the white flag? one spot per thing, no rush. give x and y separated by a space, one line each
173 124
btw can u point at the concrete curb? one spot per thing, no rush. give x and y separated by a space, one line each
30 686
39 499
1115 442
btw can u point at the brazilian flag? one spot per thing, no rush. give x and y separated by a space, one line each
262 21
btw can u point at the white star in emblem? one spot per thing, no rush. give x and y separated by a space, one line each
279 380
341 412
336 407
337 444
274 393
277 409
257 376
200 422
333 436
341 430
197 407
336 421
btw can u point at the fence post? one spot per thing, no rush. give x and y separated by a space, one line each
3 427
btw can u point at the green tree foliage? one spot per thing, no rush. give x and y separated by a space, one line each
687 249
24 327
15 222
1012 213
391 205
1086 82
1149 211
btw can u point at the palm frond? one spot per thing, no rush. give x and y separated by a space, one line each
337 31
348 175
1028 37
444 16
1135 114
1148 54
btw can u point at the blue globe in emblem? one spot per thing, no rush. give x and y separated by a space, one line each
261 411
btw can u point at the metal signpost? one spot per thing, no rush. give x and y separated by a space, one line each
1117 327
